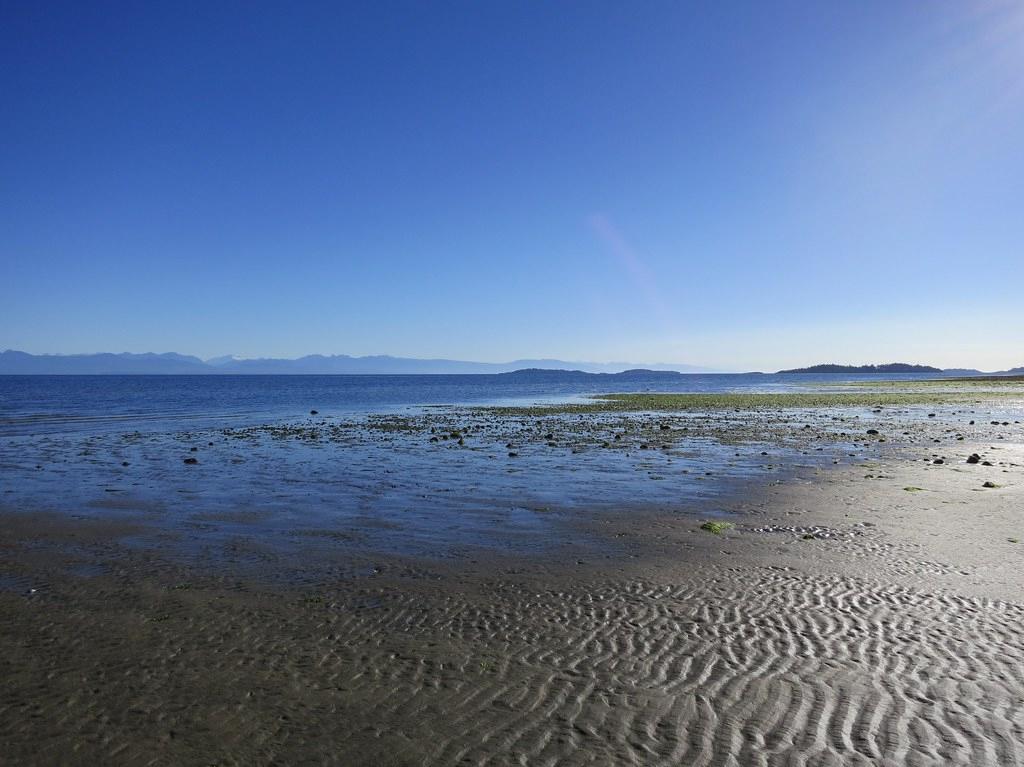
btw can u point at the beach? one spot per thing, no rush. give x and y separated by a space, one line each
841 597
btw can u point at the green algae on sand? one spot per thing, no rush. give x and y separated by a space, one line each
665 402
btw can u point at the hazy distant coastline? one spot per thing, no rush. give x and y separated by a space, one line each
22 363
892 367
170 363
899 367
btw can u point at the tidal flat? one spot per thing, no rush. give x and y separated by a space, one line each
821 577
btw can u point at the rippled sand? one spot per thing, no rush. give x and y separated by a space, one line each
844 620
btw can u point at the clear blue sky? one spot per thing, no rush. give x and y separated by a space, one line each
735 184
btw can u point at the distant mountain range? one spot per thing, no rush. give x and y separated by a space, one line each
899 367
15 362
22 363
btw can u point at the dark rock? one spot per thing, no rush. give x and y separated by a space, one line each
314 412
872 431
990 484
973 458
194 449
191 461
512 454
938 460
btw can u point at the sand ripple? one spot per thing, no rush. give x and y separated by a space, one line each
748 666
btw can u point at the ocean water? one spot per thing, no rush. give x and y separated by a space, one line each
63 404
270 477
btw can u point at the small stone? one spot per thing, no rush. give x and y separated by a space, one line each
191 461
314 412
973 458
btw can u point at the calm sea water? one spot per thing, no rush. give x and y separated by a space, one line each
49 404
114 447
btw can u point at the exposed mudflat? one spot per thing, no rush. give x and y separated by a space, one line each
862 609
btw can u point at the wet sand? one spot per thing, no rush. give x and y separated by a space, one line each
864 612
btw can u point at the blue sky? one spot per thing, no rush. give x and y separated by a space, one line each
744 185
